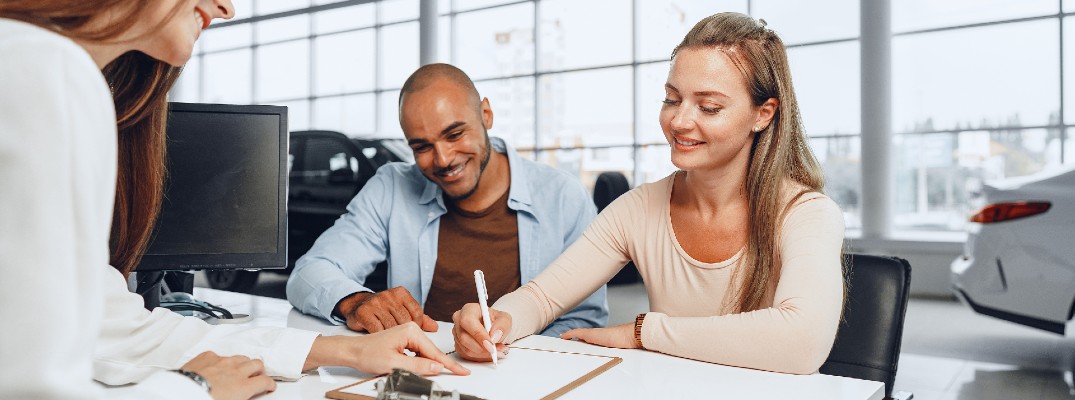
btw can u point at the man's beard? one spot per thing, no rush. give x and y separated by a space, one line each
481 169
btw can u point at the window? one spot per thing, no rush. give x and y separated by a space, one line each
981 90
319 60
985 106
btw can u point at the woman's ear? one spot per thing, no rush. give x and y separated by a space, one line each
765 114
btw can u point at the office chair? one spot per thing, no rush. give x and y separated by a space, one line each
608 187
871 330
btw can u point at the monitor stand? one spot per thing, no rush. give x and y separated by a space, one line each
172 290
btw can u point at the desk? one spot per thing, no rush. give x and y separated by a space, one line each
641 375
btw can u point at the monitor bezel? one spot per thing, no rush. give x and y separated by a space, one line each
263 260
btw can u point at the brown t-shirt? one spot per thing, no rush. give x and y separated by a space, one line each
487 240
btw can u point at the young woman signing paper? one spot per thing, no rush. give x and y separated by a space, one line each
740 251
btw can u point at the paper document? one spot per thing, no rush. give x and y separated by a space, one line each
524 374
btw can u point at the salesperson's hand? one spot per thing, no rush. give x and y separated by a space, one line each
231 378
375 312
620 336
378 353
472 341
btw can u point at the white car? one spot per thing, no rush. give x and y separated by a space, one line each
1019 260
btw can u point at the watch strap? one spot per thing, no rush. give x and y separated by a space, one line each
638 330
194 376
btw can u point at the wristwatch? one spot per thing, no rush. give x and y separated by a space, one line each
638 330
194 376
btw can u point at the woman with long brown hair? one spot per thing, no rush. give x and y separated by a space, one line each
83 87
740 251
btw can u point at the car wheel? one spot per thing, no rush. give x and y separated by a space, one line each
232 280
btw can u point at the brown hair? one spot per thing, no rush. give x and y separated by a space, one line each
139 86
778 153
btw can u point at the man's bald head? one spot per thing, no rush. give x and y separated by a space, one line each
436 73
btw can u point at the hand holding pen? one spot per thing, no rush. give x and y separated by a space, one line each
474 340
483 306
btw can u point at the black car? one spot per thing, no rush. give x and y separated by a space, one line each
326 169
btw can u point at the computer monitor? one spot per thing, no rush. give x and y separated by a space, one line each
225 196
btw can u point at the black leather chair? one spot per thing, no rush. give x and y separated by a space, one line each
608 187
868 341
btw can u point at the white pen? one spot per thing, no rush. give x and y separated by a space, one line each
483 301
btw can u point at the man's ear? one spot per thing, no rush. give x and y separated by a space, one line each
765 113
487 114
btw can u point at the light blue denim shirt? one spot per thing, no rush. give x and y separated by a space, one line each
396 217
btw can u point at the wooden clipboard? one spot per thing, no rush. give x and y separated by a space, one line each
603 363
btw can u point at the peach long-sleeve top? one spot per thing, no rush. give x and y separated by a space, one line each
692 302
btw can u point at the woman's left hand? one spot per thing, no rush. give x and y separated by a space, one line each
622 336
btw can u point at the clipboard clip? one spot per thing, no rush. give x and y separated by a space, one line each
406 385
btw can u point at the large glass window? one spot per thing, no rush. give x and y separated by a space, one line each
910 15
398 55
661 24
801 22
495 42
512 101
994 76
971 105
587 108
342 63
335 68
568 37
980 90
283 71
226 77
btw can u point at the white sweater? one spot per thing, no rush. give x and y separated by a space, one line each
67 316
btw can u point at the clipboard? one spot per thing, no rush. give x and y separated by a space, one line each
524 373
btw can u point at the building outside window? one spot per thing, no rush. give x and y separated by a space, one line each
980 91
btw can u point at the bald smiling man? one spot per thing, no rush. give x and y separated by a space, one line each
468 202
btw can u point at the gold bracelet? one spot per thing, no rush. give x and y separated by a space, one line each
638 330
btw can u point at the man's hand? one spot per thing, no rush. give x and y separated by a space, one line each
375 312
378 353
621 336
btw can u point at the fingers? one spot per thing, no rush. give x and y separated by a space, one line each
412 307
432 356
387 309
469 348
574 334
428 324
262 384
399 316
371 322
470 334
471 323
235 377
252 368
501 322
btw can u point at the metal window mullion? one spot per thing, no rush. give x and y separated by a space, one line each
537 82
876 113
310 65
254 62
1063 132
636 154
377 67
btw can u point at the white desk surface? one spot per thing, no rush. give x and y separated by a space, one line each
641 375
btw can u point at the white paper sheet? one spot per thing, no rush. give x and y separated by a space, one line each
523 374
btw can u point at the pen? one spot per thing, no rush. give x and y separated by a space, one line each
483 301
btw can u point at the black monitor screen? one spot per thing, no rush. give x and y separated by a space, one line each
225 192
